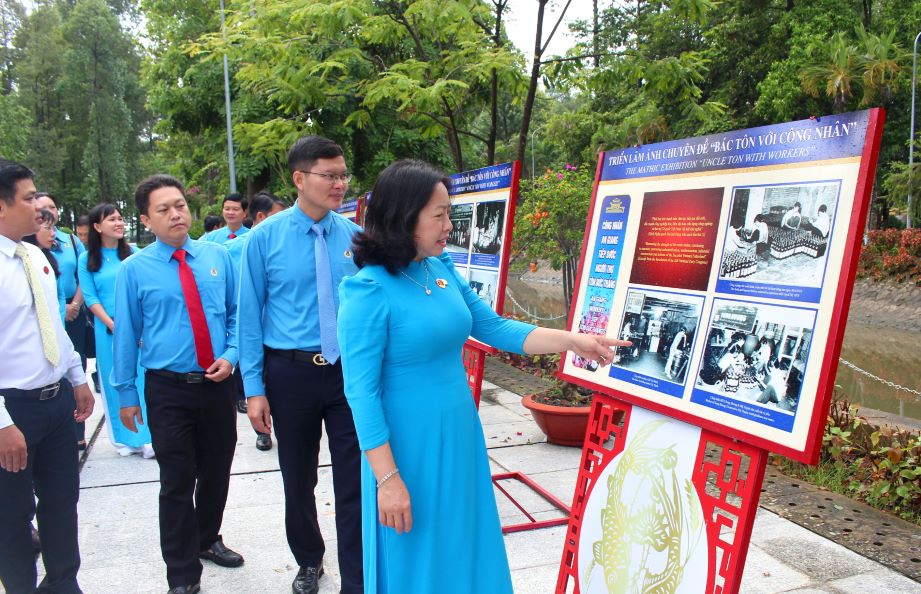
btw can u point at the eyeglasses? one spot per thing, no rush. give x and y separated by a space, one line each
331 178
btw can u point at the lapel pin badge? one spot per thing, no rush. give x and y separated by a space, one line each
214 272
347 253
442 283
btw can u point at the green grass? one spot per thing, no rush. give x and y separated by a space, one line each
837 478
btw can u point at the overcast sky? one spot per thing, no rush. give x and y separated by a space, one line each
522 24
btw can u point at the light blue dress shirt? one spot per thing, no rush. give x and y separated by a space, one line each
222 235
150 309
63 251
278 290
235 249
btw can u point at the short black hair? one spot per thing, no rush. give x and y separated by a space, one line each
399 195
212 222
11 173
236 197
305 151
823 208
46 195
263 202
151 184
82 220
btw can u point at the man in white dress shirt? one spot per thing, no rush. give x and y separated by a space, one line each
38 453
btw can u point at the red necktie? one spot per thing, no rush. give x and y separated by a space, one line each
196 312
232 235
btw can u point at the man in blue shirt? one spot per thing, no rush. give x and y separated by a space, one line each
67 249
261 206
292 266
177 300
234 212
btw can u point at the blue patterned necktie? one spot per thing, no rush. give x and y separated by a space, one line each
329 344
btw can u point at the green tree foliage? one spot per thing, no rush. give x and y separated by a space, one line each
12 13
15 125
371 72
76 76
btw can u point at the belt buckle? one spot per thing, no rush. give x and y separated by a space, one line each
319 359
49 392
195 378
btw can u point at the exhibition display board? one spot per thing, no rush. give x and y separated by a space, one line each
351 209
729 261
660 506
483 214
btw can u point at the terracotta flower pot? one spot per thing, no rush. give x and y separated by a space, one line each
563 425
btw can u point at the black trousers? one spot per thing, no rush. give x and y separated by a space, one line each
193 430
52 475
77 331
303 396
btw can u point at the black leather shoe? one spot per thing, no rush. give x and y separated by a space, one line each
263 442
193 589
307 580
241 406
221 555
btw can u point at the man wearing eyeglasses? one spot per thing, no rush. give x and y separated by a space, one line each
291 269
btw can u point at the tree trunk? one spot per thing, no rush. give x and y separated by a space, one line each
595 45
532 86
494 89
569 280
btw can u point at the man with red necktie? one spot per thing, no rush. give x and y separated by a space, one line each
177 300
234 210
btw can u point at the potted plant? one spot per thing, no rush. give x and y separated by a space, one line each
561 412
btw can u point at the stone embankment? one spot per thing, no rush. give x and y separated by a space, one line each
885 304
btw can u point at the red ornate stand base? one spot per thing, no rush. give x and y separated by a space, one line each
475 364
726 474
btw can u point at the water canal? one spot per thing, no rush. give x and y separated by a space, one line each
882 340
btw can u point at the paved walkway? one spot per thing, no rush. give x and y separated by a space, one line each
121 555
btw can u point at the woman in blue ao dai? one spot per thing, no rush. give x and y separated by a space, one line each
429 517
97 269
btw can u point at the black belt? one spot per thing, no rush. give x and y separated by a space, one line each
316 358
193 377
46 393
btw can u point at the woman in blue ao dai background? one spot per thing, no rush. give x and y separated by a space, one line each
97 269
429 517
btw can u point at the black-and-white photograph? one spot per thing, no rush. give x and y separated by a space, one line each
490 219
779 234
485 284
662 328
462 219
757 353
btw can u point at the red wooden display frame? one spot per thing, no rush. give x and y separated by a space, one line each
728 499
810 453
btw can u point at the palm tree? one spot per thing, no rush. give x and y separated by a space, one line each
833 68
881 61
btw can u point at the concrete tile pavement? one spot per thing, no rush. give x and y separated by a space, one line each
120 544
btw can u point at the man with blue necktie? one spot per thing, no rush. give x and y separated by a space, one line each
176 298
289 355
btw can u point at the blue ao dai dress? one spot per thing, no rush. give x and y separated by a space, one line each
406 384
99 288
